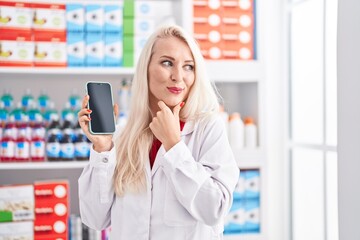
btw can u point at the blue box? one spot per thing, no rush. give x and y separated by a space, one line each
252 216
75 18
235 220
239 192
113 19
94 50
113 50
94 18
252 184
75 49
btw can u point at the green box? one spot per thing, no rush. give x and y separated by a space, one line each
128 44
129 8
128 59
6 216
128 25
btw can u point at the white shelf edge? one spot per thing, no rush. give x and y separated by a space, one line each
43 165
247 236
234 71
249 158
77 71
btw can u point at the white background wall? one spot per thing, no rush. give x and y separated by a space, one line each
349 119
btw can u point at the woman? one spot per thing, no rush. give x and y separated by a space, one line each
170 173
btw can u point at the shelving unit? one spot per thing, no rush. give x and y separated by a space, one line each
243 80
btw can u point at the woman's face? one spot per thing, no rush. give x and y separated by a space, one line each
171 72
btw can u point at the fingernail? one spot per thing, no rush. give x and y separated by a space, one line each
182 104
89 110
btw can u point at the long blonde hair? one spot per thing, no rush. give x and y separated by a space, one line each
134 143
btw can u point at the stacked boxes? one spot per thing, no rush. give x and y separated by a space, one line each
138 25
225 28
51 210
75 25
244 216
17 212
49 27
16 45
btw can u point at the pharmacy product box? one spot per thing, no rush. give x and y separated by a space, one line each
49 17
129 10
51 190
236 219
252 184
152 9
203 9
113 50
128 59
50 50
16 49
75 17
15 16
94 50
50 228
94 18
17 230
54 209
252 216
75 49
143 27
52 237
113 18
16 203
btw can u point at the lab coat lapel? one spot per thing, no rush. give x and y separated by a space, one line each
188 128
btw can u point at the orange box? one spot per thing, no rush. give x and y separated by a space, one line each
50 227
210 50
203 9
236 25
233 6
237 50
54 190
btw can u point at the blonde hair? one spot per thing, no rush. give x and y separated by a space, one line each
135 141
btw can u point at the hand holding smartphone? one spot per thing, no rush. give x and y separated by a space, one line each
102 107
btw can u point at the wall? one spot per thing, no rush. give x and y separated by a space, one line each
349 119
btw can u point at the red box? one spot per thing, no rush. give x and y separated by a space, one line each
50 228
48 191
51 209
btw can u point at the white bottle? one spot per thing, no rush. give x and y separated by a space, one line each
236 131
250 133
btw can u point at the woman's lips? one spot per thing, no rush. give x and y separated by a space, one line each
175 90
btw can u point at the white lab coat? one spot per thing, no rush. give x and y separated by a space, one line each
189 190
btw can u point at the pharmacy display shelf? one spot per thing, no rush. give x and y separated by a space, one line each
253 236
43 165
67 71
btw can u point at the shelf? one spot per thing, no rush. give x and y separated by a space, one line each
234 71
66 71
249 158
43 165
254 236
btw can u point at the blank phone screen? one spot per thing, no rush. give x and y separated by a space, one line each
100 102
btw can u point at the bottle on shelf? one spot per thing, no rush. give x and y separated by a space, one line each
8 100
67 148
27 100
75 100
68 114
43 101
53 148
82 148
50 114
37 144
250 133
22 142
236 131
4 114
7 149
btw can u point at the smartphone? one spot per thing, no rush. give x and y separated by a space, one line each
101 105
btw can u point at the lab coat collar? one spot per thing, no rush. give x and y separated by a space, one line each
188 128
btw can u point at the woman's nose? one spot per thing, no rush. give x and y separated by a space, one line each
176 74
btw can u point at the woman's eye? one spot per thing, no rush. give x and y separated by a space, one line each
167 63
189 67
